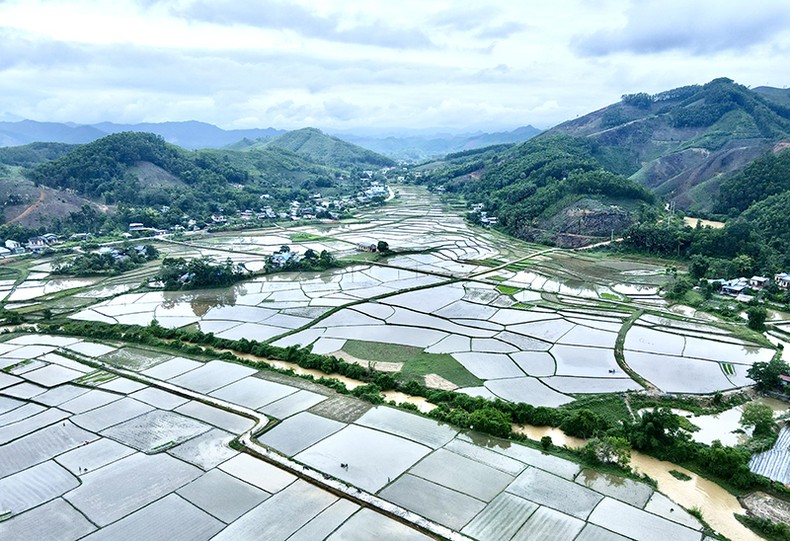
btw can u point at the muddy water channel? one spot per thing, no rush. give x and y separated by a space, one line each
717 504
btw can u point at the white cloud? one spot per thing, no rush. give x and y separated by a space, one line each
371 63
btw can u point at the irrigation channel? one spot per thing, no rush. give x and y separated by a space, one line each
717 504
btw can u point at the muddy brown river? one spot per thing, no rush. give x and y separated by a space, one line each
717 504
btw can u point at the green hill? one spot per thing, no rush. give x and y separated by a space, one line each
141 169
766 176
682 143
556 189
33 153
319 147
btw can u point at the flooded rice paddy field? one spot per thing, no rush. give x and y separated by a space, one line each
83 457
540 326
520 347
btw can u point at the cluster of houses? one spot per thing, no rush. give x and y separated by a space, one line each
485 219
119 255
35 245
737 287
281 259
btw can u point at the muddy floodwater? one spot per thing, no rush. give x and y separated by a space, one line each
717 504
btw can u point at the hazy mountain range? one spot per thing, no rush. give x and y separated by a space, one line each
194 135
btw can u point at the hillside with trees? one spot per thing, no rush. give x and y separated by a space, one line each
327 150
756 238
132 177
139 169
681 143
556 189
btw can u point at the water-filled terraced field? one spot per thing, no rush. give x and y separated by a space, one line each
482 313
146 460
115 453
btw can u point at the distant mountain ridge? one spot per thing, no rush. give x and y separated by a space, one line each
190 134
681 143
196 135
422 147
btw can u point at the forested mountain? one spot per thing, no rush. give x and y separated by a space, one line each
681 143
554 189
755 240
766 176
139 177
321 148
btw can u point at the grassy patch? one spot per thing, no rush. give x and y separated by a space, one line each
610 406
523 306
687 425
769 530
520 265
498 278
415 361
679 475
300 236
610 296
508 290
692 298
95 378
743 332
489 262
694 404
696 512
17 365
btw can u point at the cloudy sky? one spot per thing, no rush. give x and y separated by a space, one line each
352 64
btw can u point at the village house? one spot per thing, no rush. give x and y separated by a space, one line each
37 244
280 259
14 246
783 280
758 282
366 247
734 287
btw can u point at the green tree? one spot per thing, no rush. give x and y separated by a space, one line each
698 266
655 429
383 246
583 423
491 421
546 442
757 316
760 417
608 450
766 375
744 264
